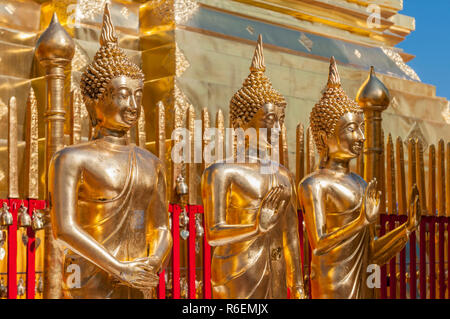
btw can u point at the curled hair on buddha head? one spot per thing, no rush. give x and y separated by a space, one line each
331 107
256 91
109 62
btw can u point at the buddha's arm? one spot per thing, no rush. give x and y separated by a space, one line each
292 249
215 187
64 174
159 237
312 202
387 246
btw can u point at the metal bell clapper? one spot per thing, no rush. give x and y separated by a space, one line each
3 289
38 221
20 288
6 218
23 217
198 225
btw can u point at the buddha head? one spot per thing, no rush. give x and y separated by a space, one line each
112 85
257 104
337 122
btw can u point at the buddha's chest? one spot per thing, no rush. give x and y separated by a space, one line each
343 200
109 175
247 192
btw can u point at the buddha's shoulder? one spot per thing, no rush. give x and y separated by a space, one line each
322 178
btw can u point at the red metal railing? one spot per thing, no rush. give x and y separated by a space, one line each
397 281
14 205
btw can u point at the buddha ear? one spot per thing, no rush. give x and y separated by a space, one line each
323 137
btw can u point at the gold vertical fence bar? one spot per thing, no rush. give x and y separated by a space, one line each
431 181
420 177
220 125
390 177
441 178
206 124
299 154
401 178
141 137
75 116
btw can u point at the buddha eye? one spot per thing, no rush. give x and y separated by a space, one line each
270 117
350 129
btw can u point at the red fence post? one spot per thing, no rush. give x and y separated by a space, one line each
402 265
175 209
423 260
412 266
431 227
162 285
448 255
14 205
206 260
192 209
392 264
441 221
383 287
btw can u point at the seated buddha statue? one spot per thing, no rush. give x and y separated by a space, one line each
340 209
250 210
108 196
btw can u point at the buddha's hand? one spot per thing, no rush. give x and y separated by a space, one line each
298 292
414 214
138 274
270 206
371 203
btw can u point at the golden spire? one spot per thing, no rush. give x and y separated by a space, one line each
334 80
373 93
258 57
256 91
108 34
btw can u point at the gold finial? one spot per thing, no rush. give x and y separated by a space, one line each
55 43
258 57
256 91
108 31
373 93
334 80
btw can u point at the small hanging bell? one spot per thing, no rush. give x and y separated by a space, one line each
23 217
6 218
181 188
20 288
3 289
40 285
38 221
198 226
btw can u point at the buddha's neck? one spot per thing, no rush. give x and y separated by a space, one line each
113 137
338 165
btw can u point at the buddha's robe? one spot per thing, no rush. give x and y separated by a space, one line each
254 268
119 225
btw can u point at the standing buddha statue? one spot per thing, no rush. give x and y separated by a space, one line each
250 213
340 208
108 197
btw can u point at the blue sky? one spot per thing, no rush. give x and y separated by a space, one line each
430 42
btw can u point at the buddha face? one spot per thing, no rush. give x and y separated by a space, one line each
271 117
348 140
120 106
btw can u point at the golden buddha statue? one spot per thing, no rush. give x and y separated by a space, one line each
340 208
250 214
108 197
